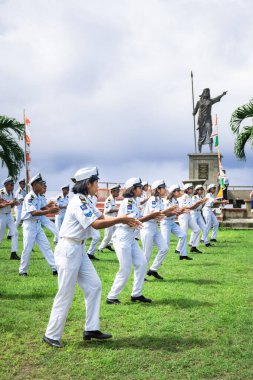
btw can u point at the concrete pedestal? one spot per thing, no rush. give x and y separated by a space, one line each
203 167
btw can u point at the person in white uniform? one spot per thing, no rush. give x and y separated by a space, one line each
62 202
45 221
94 234
186 221
150 234
141 201
73 264
210 218
169 226
32 212
127 249
197 215
110 209
19 196
7 202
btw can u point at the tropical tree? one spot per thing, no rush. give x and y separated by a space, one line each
245 135
11 154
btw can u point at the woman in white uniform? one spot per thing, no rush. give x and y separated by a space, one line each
127 249
197 216
72 262
62 202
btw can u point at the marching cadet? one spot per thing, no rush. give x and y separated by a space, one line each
150 234
20 196
197 216
72 262
110 209
6 219
45 221
141 201
210 218
186 221
127 249
94 234
168 224
62 202
32 212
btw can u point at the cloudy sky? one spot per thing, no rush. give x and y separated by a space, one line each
107 82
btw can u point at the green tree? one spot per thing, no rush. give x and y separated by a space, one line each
245 134
11 154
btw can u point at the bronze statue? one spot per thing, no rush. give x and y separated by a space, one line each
204 107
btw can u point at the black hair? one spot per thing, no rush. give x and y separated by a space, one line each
129 193
81 187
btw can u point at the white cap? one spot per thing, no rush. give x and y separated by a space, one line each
211 186
187 186
158 183
198 187
21 180
115 187
144 183
7 180
65 187
36 178
131 182
174 187
86 173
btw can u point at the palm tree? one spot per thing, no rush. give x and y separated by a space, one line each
246 134
11 154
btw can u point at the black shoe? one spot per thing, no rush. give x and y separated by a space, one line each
55 273
176 251
154 274
14 256
185 258
111 301
208 245
88 335
213 240
52 342
8 238
92 257
110 248
100 250
137 239
196 250
146 280
23 274
141 299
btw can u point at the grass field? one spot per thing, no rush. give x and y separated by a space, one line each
199 326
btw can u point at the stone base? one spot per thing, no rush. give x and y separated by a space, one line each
203 167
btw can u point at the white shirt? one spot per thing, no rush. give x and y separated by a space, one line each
195 199
211 198
167 203
62 202
7 197
79 216
153 204
110 205
32 202
20 196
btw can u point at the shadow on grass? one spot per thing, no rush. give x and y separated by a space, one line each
196 282
14 296
181 303
165 343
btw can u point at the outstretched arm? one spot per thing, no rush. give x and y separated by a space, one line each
218 98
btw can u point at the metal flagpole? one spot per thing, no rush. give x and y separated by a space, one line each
194 122
26 165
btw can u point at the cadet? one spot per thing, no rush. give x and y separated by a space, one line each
210 218
45 221
62 202
150 234
127 249
6 219
94 234
20 196
32 230
110 209
197 215
72 262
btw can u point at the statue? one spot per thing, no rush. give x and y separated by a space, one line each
204 107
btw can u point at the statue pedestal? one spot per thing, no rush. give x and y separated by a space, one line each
203 168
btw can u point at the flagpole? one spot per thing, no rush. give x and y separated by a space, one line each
194 122
26 168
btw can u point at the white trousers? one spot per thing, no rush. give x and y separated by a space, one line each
18 212
186 222
58 222
95 235
150 235
128 253
7 221
107 237
198 218
49 225
33 233
171 227
211 222
74 266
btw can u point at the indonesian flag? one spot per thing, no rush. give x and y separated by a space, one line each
214 135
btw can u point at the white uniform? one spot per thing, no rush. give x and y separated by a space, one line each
196 214
112 211
169 225
61 202
45 221
210 218
150 234
186 221
128 252
20 196
143 197
94 234
7 221
33 233
74 266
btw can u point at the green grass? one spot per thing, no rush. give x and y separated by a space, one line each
200 325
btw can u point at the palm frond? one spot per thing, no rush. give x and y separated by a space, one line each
11 126
246 136
239 115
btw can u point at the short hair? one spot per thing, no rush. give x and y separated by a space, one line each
129 193
81 187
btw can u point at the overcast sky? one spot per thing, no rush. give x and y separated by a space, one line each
107 82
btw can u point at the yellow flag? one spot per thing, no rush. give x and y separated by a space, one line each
220 193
